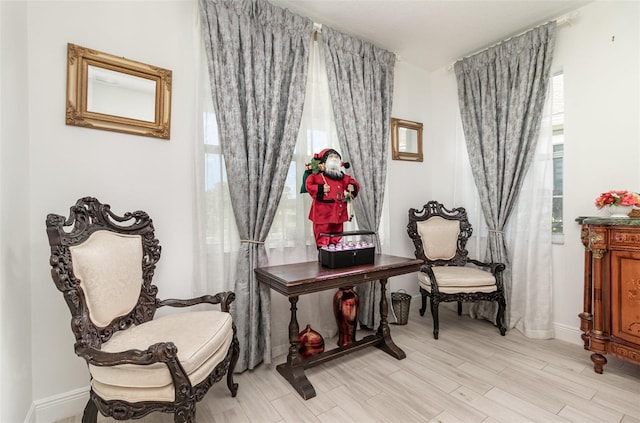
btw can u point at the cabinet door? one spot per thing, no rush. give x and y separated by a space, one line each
625 295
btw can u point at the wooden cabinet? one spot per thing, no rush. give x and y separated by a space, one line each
610 321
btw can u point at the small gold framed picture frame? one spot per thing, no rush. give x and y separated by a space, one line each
113 93
406 140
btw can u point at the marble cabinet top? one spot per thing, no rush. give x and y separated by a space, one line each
612 221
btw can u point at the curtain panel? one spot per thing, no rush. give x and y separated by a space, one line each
257 57
501 92
360 79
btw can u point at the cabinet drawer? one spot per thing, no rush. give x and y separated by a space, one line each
627 238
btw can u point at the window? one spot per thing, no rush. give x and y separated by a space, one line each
220 224
291 227
557 122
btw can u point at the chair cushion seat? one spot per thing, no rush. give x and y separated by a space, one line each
202 339
457 279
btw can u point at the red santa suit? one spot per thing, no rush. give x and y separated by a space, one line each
328 209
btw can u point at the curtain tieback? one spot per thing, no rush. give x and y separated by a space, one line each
496 231
251 241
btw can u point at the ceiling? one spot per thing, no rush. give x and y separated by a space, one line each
431 34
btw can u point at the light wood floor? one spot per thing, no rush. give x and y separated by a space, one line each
471 374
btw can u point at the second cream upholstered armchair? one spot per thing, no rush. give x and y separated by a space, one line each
448 274
103 263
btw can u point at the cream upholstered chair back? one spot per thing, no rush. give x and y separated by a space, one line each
109 268
105 267
439 237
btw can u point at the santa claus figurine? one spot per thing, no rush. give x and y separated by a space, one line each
331 190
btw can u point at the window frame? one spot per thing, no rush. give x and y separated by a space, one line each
558 138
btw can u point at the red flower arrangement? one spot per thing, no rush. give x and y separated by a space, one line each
618 198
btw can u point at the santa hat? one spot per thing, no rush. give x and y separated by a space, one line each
319 158
324 155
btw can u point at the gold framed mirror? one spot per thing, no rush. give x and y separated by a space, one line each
406 140
116 94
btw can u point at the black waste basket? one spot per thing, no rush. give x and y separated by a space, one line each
400 302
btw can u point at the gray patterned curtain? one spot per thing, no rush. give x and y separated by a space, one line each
501 92
360 79
258 56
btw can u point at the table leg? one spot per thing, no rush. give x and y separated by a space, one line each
293 369
387 345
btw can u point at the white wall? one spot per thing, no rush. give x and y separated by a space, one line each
408 183
15 286
600 59
129 172
61 163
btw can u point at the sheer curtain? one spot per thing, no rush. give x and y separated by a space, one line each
528 235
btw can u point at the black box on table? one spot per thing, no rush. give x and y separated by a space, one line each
346 257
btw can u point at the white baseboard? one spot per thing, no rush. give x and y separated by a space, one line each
58 407
278 350
31 415
568 334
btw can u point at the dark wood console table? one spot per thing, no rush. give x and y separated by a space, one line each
293 280
610 321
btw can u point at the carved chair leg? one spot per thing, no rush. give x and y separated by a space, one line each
186 413
500 317
90 412
423 292
233 387
459 308
434 314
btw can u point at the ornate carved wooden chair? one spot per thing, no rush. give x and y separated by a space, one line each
103 264
448 274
